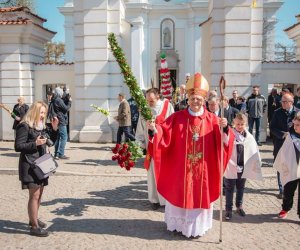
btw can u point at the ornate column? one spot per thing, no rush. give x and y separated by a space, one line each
137 49
236 38
68 12
97 76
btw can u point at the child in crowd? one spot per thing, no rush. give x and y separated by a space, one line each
287 164
241 104
245 162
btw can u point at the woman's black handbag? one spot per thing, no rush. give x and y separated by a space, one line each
44 166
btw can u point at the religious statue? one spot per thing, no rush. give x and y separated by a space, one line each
167 37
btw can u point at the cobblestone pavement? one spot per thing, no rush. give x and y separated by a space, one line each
93 204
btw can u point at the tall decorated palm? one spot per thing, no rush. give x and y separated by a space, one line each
165 79
126 154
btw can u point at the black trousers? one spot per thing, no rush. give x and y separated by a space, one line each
127 131
230 184
288 195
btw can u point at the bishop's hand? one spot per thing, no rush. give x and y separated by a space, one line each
151 125
223 124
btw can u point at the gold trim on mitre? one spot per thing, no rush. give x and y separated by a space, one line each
197 85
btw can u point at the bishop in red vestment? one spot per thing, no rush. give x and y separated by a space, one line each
186 152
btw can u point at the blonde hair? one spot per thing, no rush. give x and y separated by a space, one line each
21 99
297 117
242 117
32 117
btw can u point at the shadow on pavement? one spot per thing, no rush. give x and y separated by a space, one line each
139 228
96 162
11 154
6 149
254 218
92 162
13 227
133 196
100 148
135 228
263 191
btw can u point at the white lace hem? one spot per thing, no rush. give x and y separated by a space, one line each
190 222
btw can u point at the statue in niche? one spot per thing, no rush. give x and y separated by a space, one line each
167 37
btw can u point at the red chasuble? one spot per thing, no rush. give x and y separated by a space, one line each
186 152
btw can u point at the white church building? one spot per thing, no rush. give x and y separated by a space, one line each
218 38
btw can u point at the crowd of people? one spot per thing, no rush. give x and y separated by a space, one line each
185 145
178 173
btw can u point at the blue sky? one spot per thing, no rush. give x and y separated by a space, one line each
286 18
55 20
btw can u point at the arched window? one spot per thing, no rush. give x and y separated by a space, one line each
167 34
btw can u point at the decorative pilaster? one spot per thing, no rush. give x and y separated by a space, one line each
236 52
137 50
97 76
68 12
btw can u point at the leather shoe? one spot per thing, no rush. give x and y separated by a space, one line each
280 196
228 215
241 212
39 232
155 206
40 224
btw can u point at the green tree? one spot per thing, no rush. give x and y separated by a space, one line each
30 4
281 52
285 52
54 52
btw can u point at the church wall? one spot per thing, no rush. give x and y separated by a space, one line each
52 74
231 49
20 46
180 34
206 51
97 76
179 47
155 47
281 72
126 45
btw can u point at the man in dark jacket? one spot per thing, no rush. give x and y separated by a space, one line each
281 123
134 114
256 107
182 99
297 99
233 100
273 103
19 110
61 110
